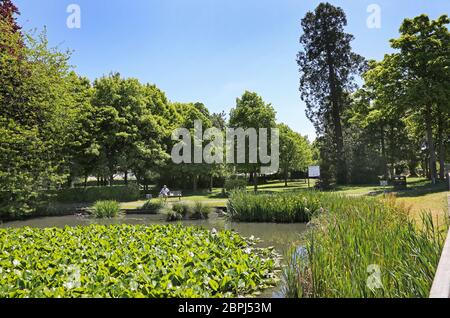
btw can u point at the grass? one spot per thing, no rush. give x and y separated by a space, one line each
292 207
364 247
179 211
420 196
131 261
152 206
105 209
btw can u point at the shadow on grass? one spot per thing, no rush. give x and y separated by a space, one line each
422 188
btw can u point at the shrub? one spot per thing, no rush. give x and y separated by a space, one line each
277 207
89 195
182 209
235 184
173 216
153 207
106 209
356 237
200 211
131 261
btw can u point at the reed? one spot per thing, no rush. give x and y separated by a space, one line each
289 207
364 247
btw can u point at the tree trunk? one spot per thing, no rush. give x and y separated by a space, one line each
441 128
255 181
431 146
85 180
286 174
383 154
125 177
211 183
194 182
336 99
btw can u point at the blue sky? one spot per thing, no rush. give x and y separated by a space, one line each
210 51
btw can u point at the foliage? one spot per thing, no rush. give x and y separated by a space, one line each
153 206
251 112
288 207
92 194
183 209
295 151
37 117
328 68
105 209
172 216
353 235
235 184
200 211
131 261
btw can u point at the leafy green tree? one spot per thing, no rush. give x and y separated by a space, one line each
251 112
295 151
128 134
37 116
424 64
328 68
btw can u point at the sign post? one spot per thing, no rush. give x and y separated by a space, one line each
313 172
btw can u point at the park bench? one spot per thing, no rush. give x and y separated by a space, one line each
176 194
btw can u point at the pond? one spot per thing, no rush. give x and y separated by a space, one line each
280 236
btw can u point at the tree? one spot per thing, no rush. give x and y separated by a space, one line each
128 134
251 112
327 69
37 114
8 13
295 151
423 63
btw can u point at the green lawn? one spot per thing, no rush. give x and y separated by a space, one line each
420 195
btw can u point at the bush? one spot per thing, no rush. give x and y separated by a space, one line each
182 209
153 207
90 195
173 216
235 184
141 261
106 209
200 211
278 207
355 238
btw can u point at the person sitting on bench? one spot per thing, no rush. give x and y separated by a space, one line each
165 192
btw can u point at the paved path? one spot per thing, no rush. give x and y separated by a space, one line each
441 284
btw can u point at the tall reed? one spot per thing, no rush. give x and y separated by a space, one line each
364 247
278 207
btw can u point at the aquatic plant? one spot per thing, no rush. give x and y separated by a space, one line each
131 261
277 207
364 247
105 209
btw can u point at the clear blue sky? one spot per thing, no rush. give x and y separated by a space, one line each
210 51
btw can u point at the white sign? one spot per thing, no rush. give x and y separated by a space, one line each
314 172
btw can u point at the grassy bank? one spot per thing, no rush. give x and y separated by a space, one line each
365 247
131 261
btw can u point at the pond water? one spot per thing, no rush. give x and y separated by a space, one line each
280 236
